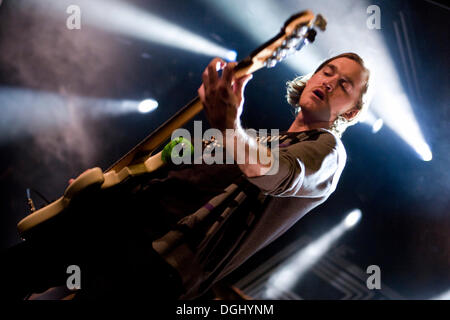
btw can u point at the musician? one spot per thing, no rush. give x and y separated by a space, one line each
183 230
310 161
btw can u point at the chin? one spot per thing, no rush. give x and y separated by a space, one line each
307 104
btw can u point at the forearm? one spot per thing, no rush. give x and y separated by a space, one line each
253 159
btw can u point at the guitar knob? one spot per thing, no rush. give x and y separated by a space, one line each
282 53
301 44
320 22
270 63
301 31
292 42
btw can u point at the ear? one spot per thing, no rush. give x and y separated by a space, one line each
350 114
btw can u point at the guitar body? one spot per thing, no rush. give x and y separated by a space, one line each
93 178
297 32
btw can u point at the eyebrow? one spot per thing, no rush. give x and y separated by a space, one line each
334 68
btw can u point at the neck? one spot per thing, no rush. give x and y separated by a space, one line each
301 124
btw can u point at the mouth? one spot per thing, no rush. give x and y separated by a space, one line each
319 94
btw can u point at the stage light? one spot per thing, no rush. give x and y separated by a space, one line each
352 218
400 118
147 105
442 296
290 272
122 18
26 111
231 55
425 152
377 125
375 122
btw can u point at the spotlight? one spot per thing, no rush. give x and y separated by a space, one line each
373 121
377 125
398 115
231 55
424 151
442 296
290 272
123 18
352 218
31 111
147 105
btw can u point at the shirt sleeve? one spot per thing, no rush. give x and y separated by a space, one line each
308 168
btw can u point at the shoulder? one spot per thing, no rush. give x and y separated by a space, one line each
326 137
325 141
329 140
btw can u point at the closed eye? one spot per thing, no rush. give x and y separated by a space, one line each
327 71
345 85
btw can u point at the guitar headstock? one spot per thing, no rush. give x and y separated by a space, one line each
298 30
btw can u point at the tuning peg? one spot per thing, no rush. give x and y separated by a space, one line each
270 62
300 31
292 41
302 43
320 22
282 52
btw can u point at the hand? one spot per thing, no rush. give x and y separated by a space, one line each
222 97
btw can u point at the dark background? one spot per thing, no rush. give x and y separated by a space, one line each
405 201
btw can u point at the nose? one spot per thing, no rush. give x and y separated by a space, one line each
328 86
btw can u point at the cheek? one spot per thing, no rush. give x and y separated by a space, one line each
340 103
307 90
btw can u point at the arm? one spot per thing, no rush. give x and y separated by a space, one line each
309 168
223 99
250 165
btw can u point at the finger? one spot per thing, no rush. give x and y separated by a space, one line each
209 75
71 180
228 73
205 78
201 93
218 64
239 85
212 75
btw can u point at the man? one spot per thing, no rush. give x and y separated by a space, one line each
182 230
310 161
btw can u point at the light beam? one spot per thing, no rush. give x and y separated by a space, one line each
290 272
27 111
122 18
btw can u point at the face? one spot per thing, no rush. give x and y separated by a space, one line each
333 91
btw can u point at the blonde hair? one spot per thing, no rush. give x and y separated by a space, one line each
295 89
